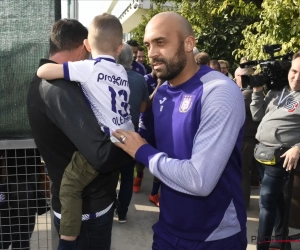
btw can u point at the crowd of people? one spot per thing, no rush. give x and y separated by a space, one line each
182 117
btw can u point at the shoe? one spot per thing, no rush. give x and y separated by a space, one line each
137 184
121 219
154 199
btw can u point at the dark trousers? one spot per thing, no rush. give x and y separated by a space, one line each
125 193
247 165
271 204
95 234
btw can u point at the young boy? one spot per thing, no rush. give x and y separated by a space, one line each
105 85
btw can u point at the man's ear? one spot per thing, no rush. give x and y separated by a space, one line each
87 45
189 43
120 49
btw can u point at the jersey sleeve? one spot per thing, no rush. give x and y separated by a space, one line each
79 71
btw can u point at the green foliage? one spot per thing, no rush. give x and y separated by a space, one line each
218 24
279 23
231 29
139 31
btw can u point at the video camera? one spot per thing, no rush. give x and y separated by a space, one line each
274 72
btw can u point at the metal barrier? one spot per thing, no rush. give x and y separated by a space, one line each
25 221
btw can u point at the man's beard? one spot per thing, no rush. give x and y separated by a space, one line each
173 66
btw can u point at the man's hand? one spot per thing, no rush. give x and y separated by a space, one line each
130 141
291 158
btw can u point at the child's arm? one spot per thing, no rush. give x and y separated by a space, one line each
78 71
50 71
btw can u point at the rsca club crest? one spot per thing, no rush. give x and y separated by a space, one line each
186 103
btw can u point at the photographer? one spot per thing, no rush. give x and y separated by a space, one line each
279 137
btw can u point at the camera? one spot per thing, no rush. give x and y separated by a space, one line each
274 71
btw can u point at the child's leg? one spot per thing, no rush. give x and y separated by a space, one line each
156 186
139 170
78 174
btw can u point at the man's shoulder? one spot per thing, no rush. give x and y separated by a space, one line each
137 67
59 88
134 76
217 86
247 92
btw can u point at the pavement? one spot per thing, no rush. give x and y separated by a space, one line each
137 233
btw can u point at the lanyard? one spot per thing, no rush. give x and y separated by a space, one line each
281 100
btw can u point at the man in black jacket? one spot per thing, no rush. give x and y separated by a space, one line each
62 122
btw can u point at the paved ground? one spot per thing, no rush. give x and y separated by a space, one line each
136 234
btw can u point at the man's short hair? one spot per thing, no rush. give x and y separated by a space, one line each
224 62
202 58
126 57
216 63
106 33
296 55
141 49
244 71
66 35
132 43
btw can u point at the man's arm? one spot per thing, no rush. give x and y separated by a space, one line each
50 71
151 97
258 106
145 98
221 123
143 107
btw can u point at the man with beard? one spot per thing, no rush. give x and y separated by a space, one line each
136 66
198 120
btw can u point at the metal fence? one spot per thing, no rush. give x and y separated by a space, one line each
25 221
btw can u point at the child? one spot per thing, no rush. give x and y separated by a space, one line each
105 86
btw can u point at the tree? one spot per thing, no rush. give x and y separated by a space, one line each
217 24
139 31
278 24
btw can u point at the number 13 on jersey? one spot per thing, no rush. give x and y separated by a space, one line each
123 105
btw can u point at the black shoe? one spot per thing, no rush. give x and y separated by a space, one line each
122 219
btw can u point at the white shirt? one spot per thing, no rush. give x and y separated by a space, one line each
105 85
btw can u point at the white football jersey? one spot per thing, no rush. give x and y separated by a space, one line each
105 84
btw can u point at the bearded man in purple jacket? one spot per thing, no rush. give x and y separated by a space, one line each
198 119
